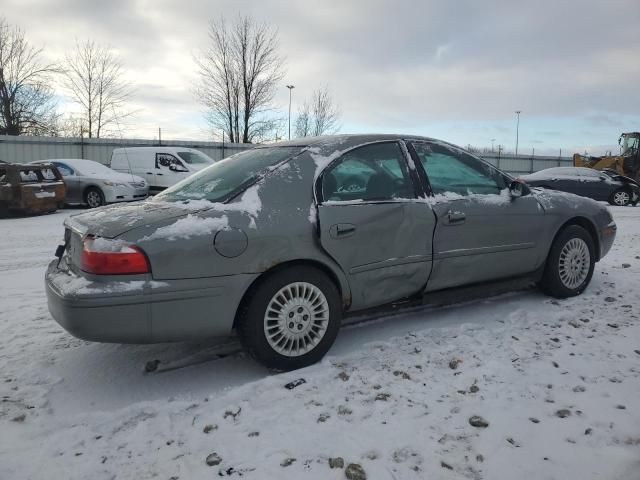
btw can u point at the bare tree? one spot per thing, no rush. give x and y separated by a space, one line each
239 72
69 126
319 116
303 121
26 99
95 80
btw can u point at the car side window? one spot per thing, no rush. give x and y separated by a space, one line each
166 160
65 170
452 171
48 174
29 176
368 173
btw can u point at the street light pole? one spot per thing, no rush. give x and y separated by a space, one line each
290 87
492 141
517 129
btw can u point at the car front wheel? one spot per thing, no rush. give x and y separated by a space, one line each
94 198
621 198
291 319
570 263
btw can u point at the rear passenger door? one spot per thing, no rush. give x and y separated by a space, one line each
482 233
373 224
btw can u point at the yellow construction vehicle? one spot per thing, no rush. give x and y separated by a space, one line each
627 163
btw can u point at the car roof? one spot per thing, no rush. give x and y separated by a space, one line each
70 161
330 143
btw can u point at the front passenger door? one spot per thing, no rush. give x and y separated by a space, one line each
169 170
482 232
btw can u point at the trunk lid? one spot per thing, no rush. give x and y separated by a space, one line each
114 220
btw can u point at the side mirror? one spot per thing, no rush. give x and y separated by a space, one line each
518 189
176 168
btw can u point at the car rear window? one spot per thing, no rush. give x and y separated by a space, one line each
223 179
29 176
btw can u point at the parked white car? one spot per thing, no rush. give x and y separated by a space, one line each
161 167
94 184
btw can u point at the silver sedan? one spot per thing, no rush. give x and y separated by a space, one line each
93 184
280 242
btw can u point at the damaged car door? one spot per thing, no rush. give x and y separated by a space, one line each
373 224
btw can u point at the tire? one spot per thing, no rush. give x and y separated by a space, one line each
294 293
573 245
620 198
94 197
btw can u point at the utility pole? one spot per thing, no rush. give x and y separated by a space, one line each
159 136
517 129
290 87
492 141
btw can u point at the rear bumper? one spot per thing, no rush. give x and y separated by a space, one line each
142 310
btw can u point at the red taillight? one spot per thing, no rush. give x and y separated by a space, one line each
102 256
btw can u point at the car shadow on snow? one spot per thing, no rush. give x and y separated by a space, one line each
108 376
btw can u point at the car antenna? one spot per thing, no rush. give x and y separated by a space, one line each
126 153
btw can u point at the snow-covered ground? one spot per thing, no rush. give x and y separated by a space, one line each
557 381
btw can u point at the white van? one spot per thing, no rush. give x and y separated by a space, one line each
161 167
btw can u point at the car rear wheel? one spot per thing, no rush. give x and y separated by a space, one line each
291 319
570 263
620 198
94 197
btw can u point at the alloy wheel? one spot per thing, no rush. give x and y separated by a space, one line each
621 198
93 199
296 319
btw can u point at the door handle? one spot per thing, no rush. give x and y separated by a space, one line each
342 230
159 173
149 173
455 218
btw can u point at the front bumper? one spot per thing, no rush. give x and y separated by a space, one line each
141 310
125 194
607 236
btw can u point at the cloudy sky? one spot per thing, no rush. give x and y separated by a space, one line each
451 70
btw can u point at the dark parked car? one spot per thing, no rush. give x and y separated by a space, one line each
604 185
30 188
279 242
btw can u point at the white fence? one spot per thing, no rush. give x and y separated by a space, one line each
523 164
25 149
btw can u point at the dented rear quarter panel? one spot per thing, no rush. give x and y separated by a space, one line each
282 231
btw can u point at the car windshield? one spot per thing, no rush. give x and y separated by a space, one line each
220 180
195 158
